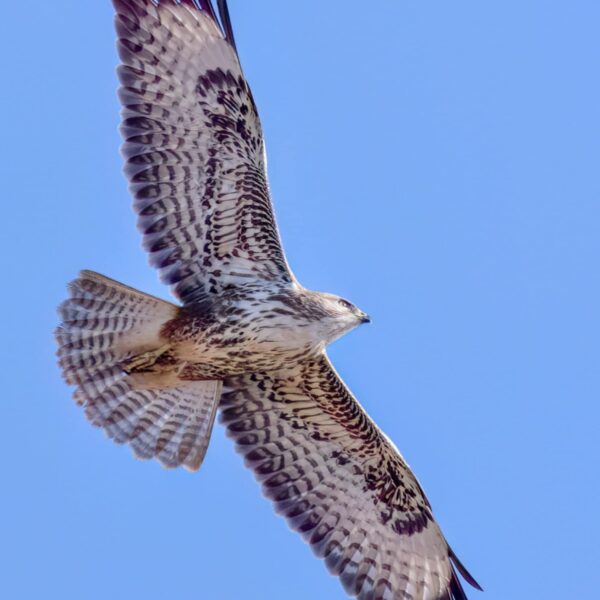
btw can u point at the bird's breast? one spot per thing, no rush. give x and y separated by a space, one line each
237 341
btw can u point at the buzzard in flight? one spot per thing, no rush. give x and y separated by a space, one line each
246 338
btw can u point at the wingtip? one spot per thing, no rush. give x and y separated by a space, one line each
226 22
131 5
207 7
463 571
223 21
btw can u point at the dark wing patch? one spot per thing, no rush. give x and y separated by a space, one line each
340 483
194 150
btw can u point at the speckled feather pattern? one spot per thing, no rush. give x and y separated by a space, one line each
247 338
194 152
103 324
338 481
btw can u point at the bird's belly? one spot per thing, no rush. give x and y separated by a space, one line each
225 356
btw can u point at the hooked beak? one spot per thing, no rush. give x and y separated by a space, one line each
365 318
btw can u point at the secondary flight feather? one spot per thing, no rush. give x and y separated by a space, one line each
247 338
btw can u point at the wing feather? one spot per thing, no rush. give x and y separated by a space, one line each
194 149
340 483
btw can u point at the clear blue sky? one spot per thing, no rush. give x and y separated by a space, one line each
434 162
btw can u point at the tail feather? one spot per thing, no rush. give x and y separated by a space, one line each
104 324
104 321
172 424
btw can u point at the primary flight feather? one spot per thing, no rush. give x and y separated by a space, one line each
247 339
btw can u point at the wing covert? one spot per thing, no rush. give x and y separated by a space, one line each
194 150
340 483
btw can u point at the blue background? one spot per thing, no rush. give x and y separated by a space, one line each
434 162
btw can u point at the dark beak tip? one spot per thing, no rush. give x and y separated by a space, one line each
366 319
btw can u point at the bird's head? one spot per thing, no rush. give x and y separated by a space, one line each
339 316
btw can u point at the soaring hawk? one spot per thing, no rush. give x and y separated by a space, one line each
246 337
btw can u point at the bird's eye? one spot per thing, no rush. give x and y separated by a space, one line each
345 304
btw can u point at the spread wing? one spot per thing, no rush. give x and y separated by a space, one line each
194 150
340 483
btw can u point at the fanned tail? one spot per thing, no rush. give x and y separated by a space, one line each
104 325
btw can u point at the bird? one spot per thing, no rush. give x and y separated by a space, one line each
245 339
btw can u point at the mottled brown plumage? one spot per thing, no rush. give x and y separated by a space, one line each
247 337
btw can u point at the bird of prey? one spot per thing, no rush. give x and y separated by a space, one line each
245 338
